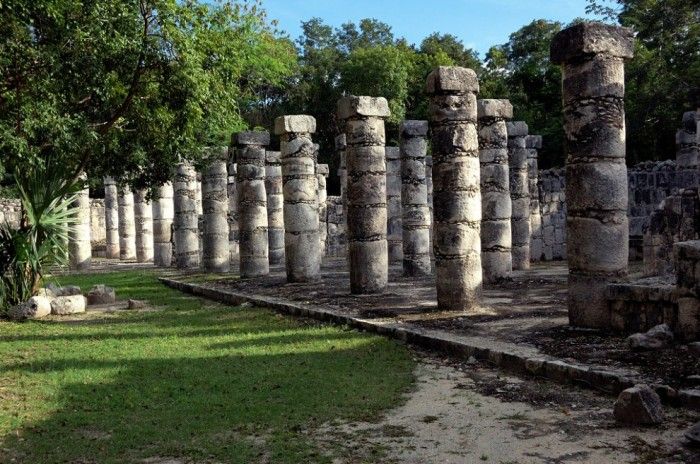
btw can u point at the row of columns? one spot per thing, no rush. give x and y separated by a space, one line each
482 174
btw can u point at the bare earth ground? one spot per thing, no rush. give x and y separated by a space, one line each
462 413
527 312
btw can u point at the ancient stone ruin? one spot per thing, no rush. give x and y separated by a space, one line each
460 201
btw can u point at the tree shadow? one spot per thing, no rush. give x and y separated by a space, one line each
238 385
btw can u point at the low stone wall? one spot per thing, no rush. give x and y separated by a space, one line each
638 306
677 219
650 183
687 257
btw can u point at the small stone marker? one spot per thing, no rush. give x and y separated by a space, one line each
639 405
101 294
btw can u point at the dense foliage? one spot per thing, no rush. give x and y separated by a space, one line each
124 87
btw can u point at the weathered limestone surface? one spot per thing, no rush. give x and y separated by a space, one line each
336 239
676 219
79 246
301 237
275 206
232 206
98 228
534 143
592 57
687 256
111 218
551 185
216 256
366 192
393 204
127 226
414 198
252 203
322 172
456 182
186 221
143 217
337 231
519 194
163 215
496 205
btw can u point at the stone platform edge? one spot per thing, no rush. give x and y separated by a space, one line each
608 381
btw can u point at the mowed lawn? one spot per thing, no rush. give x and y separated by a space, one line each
192 381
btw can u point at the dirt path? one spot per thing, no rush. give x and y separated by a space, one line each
468 414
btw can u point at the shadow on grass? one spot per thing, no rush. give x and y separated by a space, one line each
224 385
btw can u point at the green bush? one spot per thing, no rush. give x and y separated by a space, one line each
46 193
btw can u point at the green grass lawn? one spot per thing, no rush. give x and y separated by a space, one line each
193 380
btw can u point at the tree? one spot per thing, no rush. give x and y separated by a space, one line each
126 87
520 70
380 71
451 46
663 78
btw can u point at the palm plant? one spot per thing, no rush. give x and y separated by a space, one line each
47 193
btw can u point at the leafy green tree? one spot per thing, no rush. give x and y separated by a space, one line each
126 87
380 71
436 44
371 32
520 70
663 78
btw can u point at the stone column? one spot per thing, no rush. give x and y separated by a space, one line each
163 214
275 206
216 256
534 143
143 217
366 194
322 195
127 225
393 204
198 194
414 199
111 218
301 240
341 146
592 57
79 245
429 186
232 206
252 203
457 194
496 205
687 151
519 194
186 221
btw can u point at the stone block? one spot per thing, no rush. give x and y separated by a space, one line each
414 128
362 107
253 138
300 123
34 308
517 129
494 108
589 38
639 405
64 305
452 79
101 294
